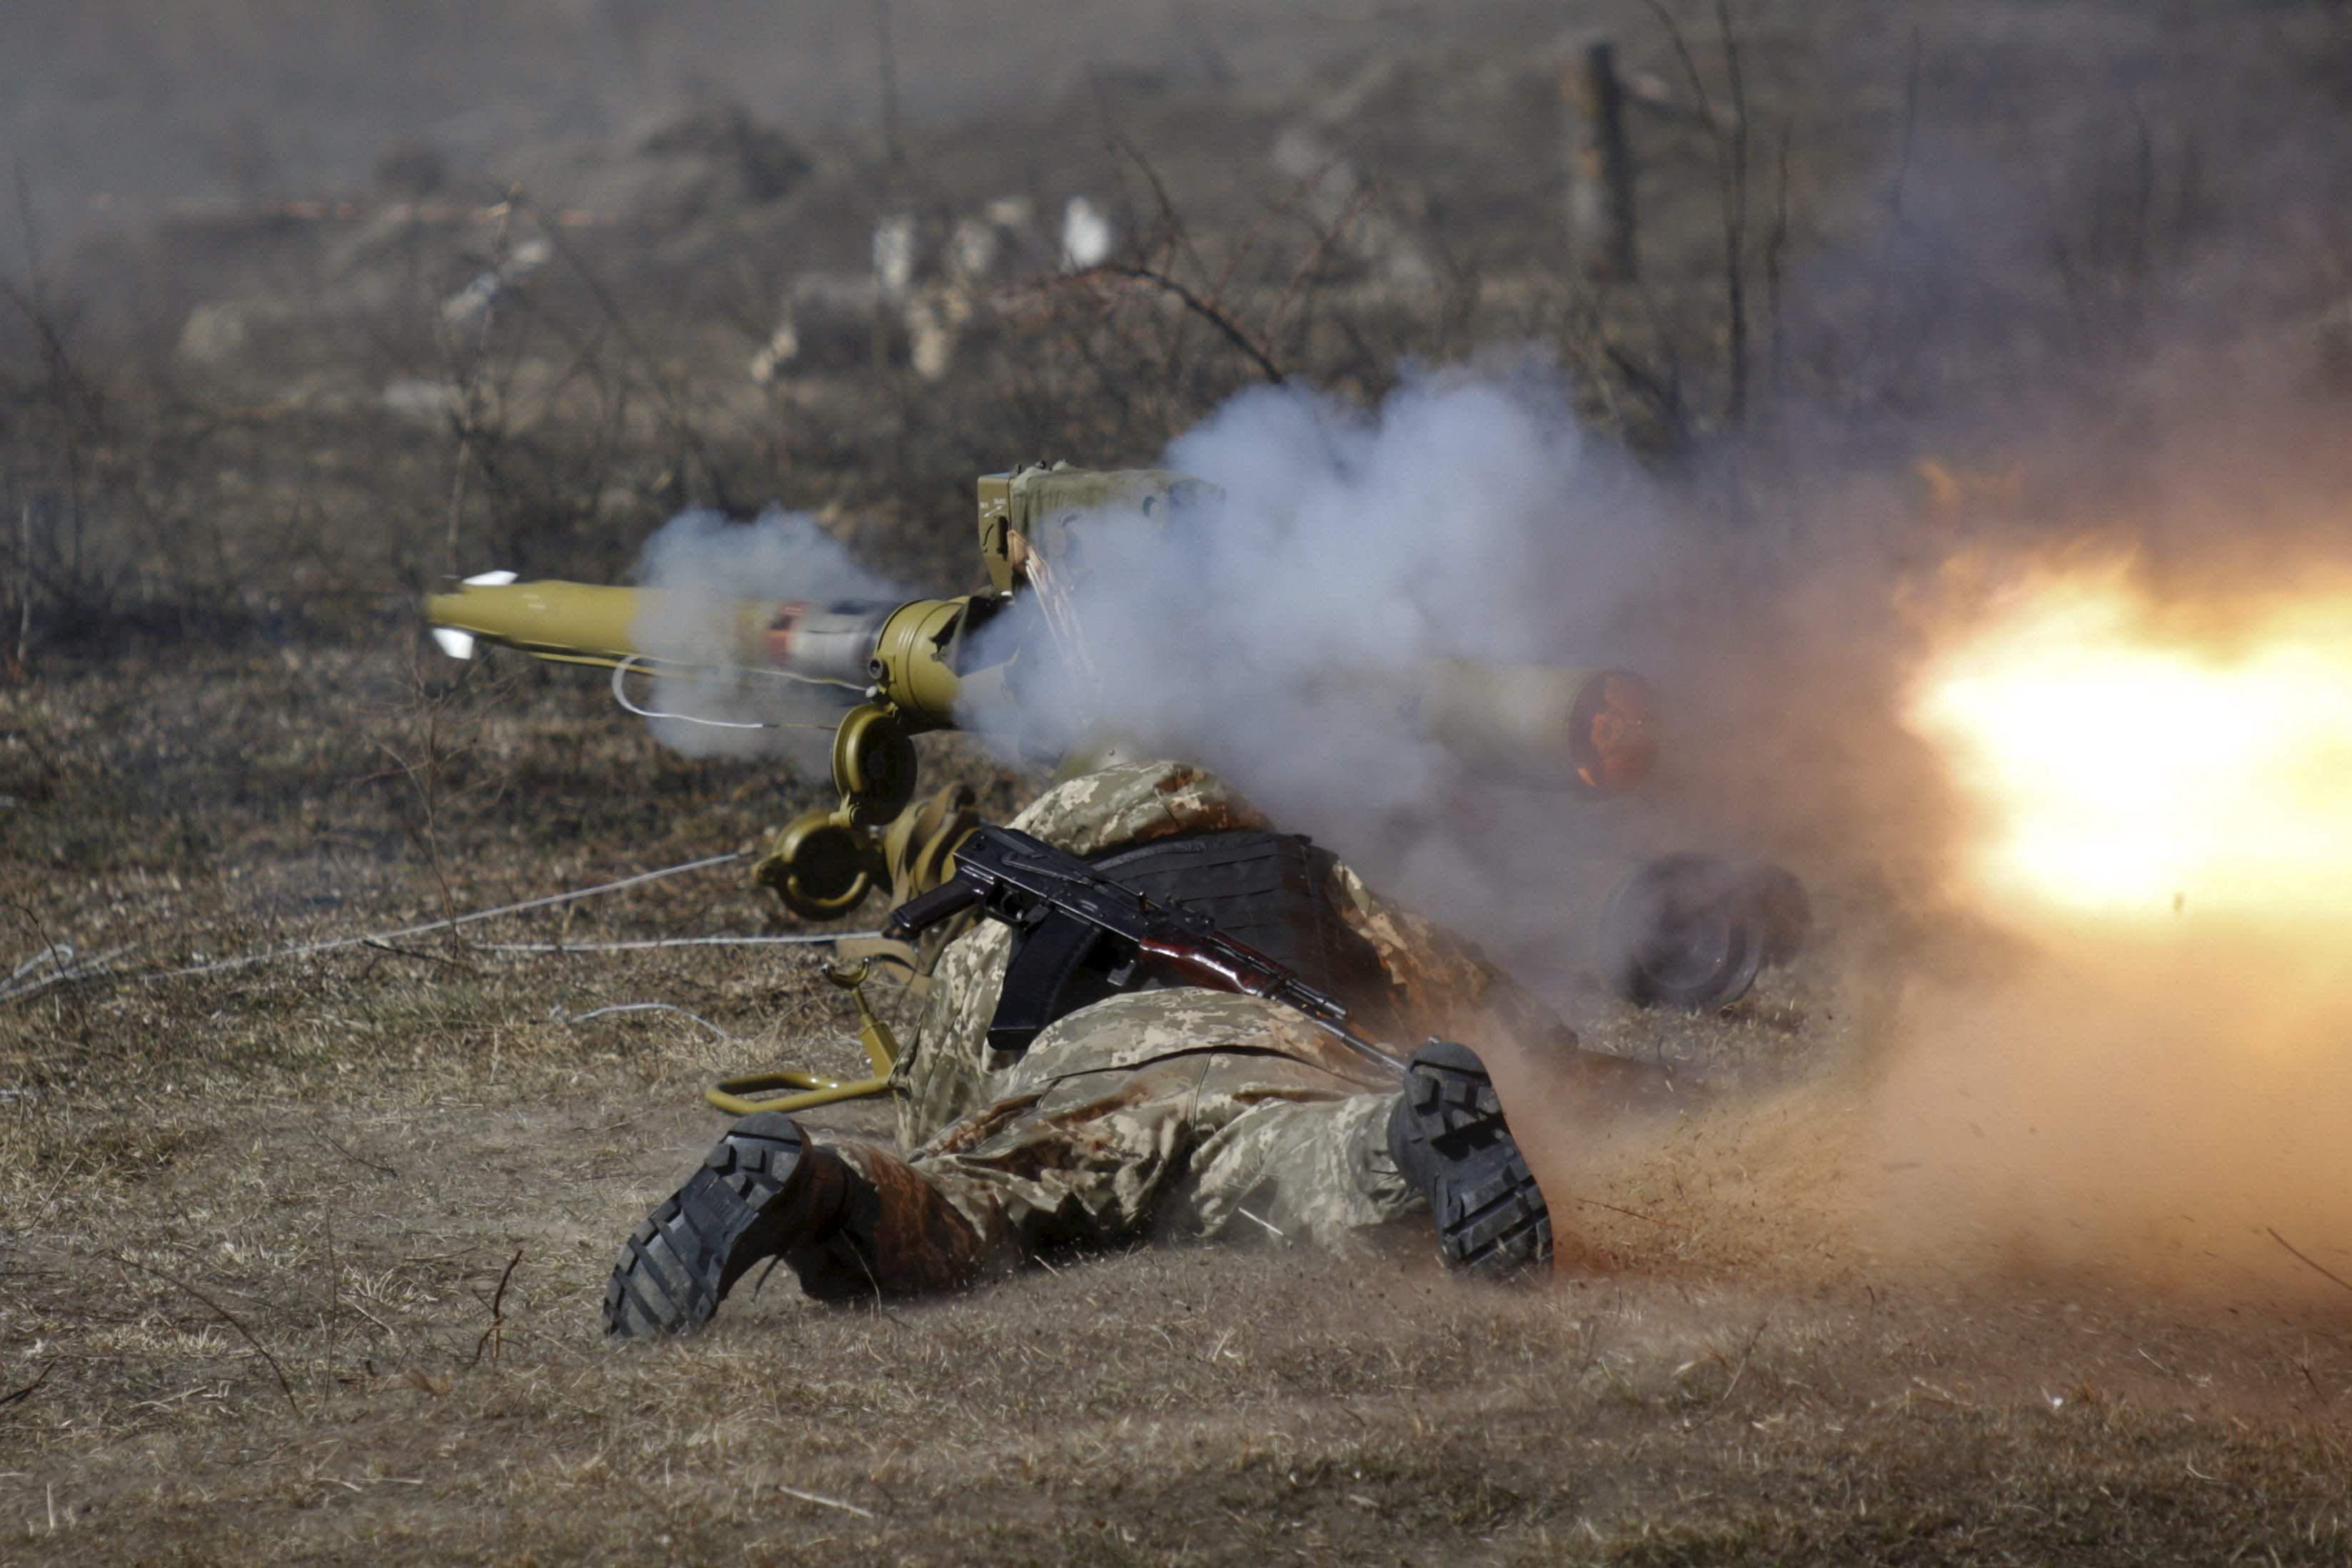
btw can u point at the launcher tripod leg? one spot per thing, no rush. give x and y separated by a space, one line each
754 1092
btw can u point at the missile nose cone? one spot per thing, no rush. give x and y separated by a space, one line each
451 640
578 621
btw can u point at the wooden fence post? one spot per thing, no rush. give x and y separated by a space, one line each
1600 224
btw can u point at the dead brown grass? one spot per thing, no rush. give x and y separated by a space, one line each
1157 1406
343 1155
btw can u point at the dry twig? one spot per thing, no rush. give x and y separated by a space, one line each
494 1337
1632 1214
824 1502
2307 1260
234 1321
27 1392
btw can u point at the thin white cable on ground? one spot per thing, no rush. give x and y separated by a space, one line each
60 956
648 944
332 944
57 955
560 1017
102 964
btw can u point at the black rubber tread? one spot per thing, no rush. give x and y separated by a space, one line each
1679 932
738 1208
1450 1138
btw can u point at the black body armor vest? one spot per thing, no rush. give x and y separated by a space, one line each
1266 889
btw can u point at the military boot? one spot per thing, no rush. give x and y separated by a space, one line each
848 1228
1448 1137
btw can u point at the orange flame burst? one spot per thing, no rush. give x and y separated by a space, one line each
2134 759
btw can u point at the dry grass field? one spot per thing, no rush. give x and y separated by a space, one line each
299 1258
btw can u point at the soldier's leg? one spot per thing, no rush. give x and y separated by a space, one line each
1316 1173
1102 1115
1205 1116
1180 1145
1232 1138
1105 1111
1172 1103
1326 1173
850 1220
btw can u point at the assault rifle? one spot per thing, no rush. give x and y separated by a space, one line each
1076 919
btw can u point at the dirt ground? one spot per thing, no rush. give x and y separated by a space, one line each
302 1257
309 1253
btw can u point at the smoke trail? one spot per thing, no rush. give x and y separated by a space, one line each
698 564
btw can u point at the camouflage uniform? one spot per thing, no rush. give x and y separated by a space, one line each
1185 1111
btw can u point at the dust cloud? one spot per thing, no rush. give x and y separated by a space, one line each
2015 1084
2154 815
2010 1085
1997 1084
2165 1110
2103 1033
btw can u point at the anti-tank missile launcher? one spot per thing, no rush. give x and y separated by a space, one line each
884 672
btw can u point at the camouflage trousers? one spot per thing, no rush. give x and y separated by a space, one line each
1176 1114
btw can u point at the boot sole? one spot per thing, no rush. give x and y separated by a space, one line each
1452 1140
679 1263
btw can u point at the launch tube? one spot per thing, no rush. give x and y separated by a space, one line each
1588 729
904 651
1591 728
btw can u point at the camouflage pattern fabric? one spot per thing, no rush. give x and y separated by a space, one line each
1185 1113
1440 985
1188 1112
945 1068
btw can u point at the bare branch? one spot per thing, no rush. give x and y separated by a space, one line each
1730 145
231 1318
494 1337
1198 306
1735 214
1775 246
27 1392
2307 1259
1910 127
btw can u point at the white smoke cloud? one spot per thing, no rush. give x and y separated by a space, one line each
1281 636
698 565
1278 637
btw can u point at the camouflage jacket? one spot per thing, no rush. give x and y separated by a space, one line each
1440 985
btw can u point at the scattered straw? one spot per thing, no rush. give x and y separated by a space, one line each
823 1501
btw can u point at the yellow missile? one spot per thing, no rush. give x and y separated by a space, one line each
902 654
